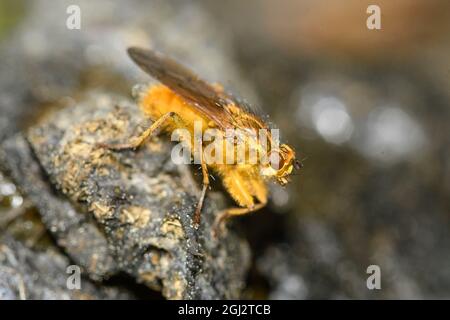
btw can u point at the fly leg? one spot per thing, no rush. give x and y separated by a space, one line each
203 194
139 140
219 223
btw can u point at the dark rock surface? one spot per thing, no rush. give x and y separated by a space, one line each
109 227
374 189
28 274
129 211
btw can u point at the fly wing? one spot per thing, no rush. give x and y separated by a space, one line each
203 96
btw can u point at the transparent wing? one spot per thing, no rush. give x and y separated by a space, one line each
207 99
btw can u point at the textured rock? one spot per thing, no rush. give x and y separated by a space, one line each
124 211
46 64
27 274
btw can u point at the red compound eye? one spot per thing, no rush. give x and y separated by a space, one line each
276 160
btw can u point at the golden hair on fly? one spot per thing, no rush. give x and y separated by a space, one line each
180 100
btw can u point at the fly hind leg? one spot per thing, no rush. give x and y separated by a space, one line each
136 142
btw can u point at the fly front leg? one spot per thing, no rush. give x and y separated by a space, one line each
219 223
136 142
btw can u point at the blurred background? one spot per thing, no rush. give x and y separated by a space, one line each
367 110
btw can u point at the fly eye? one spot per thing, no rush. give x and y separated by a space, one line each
276 161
